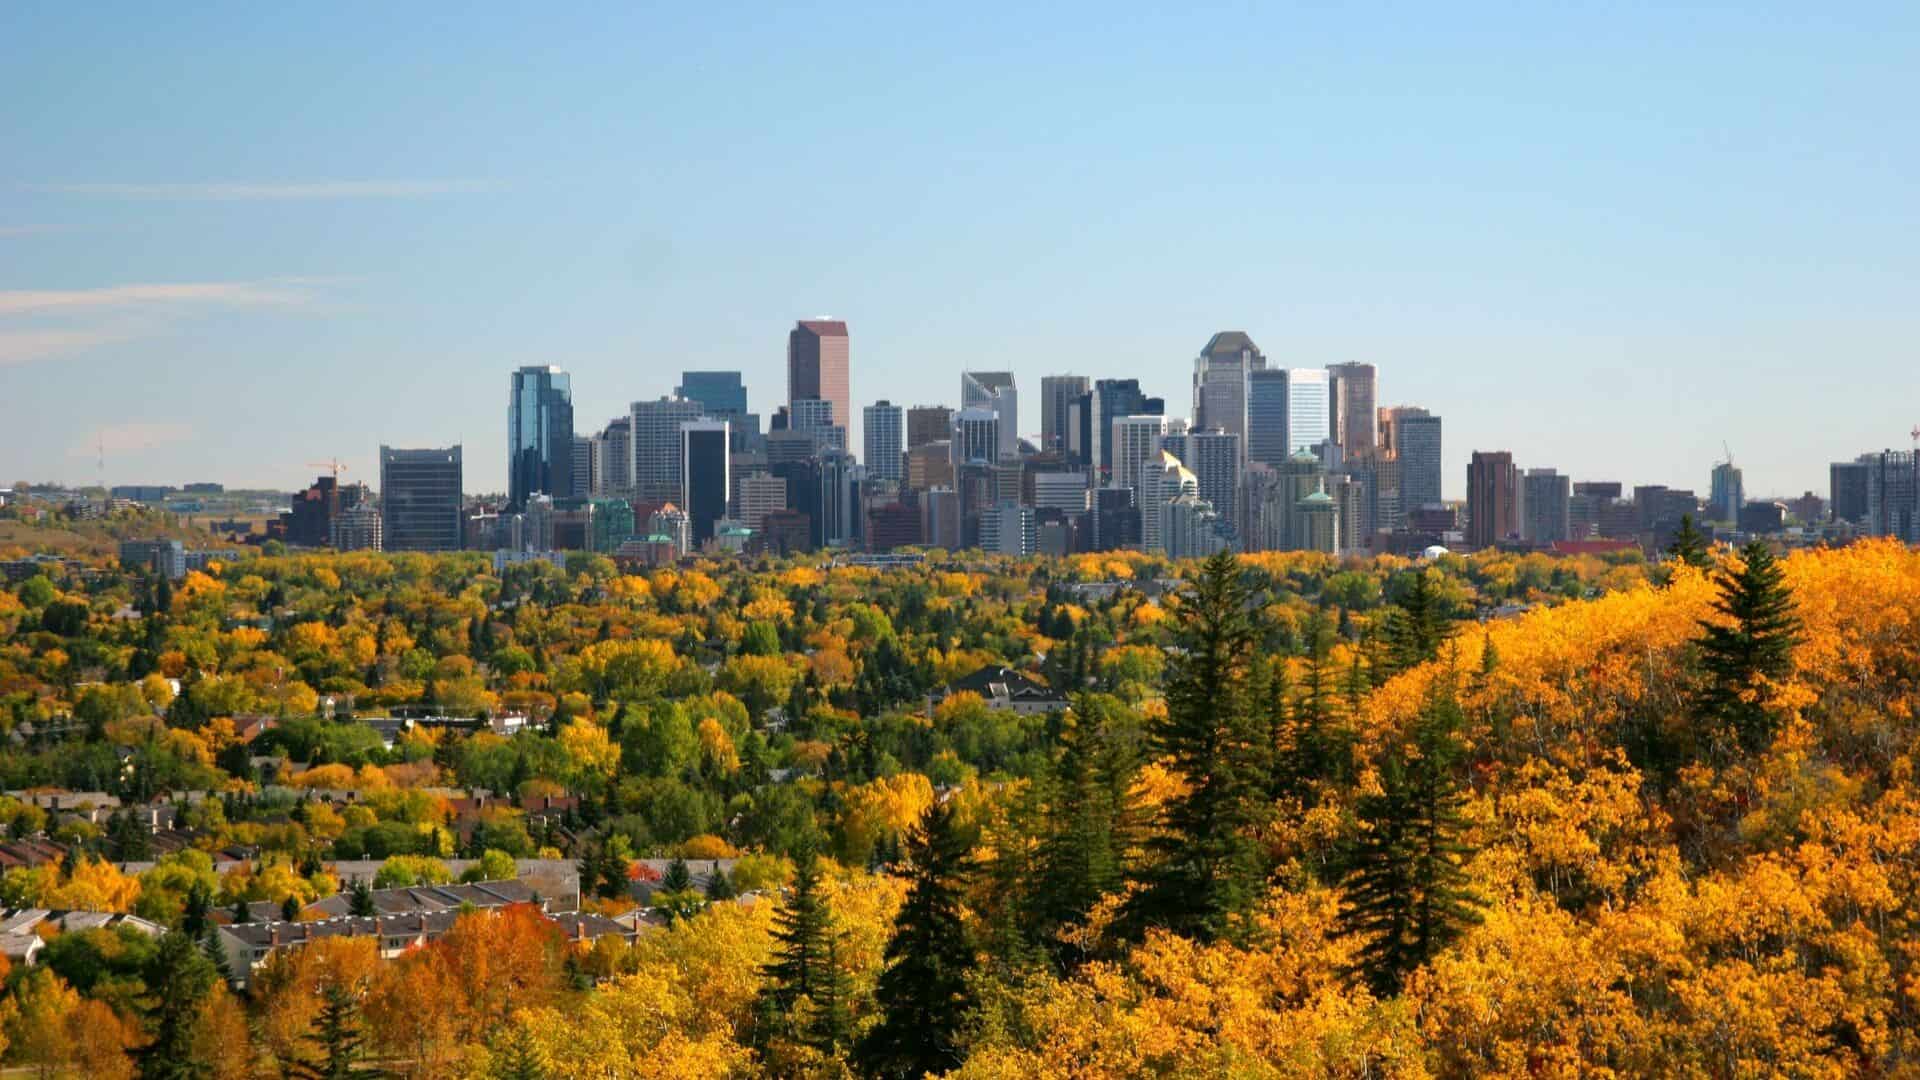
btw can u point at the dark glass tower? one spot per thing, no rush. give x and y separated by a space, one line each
703 449
539 436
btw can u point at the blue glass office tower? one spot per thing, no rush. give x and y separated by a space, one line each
721 393
539 436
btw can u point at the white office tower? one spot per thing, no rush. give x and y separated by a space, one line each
1060 490
884 431
1309 410
1136 441
1008 529
761 493
995 391
976 438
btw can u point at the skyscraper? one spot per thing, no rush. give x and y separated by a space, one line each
928 424
1726 493
1108 400
420 499
1417 446
1544 509
1058 393
654 442
1493 493
613 458
995 390
976 438
703 467
1351 392
539 435
817 365
582 466
1267 417
1309 410
721 393
1136 442
884 426
1220 381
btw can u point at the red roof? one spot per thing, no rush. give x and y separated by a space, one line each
825 327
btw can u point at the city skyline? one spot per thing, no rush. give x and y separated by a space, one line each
211 285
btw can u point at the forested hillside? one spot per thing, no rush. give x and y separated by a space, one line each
1488 816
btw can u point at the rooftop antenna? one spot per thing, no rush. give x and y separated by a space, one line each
1728 449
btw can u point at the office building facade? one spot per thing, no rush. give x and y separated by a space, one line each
817 366
539 435
995 390
883 429
420 499
1493 494
1352 390
704 459
1058 395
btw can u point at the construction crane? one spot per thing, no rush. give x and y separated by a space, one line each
335 465
1728 449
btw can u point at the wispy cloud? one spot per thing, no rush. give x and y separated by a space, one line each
26 346
229 191
38 324
221 293
133 435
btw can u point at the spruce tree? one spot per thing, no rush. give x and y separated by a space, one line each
1690 545
337 1038
195 910
719 885
677 878
1080 854
290 909
210 947
801 929
360 899
241 913
923 989
178 979
1417 626
516 1058
1206 867
1407 890
1742 655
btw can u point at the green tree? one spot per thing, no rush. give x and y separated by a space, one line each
923 989
178 979
719 885
1083 840
799 970
337 1039
1746 651
1690 545
1206 868
1417 626
360 899
1407 891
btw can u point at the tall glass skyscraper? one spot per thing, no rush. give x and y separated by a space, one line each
721 393
539 435
420 501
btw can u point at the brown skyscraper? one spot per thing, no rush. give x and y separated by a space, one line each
817 367
1493 495
1353 388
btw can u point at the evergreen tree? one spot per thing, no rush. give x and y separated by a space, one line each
290 909
801 929
517 1058
209 939
719 885
337 1038
178 979
360 899
1206 867
829 1028
1408 895
677 878
240 912
1415 628
1079 857
1742 656
1690 545
923 989
195 910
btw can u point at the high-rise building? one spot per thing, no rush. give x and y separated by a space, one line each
883 426
1726 494
1136 440
1162 480
761 494
930 465
420 499
1351 391
1317 523
654 464
1221 375
704 458
1267 417
1007 528
1412 437
539 435
721 394
1116 520
1214 458
976 438
1847 490
817 366
1108 400
1544 510
356 528
1493 493
995 390
1060 490
1309 410
928 424
613 459
1893 494
1058 394
840 520
582 466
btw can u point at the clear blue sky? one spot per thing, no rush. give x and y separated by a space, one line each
236 239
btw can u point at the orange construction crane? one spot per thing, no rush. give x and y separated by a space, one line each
333 464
